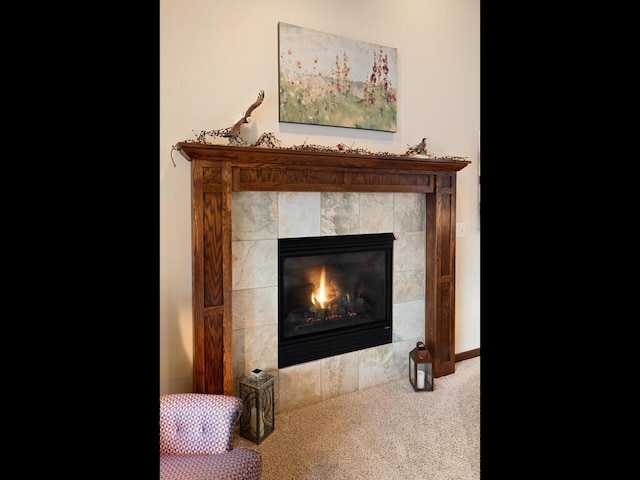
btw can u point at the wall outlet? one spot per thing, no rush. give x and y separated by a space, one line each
460 229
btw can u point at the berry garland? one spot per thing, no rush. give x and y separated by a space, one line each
269 140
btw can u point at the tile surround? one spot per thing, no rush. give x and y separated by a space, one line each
258 220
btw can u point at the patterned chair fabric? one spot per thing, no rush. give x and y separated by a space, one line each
196 439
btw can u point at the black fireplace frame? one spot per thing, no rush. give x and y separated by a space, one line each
315 346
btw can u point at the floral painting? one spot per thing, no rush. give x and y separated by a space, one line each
331 80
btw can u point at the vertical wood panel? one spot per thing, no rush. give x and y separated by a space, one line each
227 327
444 235
213 216
214 353
199 359
445 329
431 281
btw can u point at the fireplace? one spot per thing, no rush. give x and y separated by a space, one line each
334 295
217 171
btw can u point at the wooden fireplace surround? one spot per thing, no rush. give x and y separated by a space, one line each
219 170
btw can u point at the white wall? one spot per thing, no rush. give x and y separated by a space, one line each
215 55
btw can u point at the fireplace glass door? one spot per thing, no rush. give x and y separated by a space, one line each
334 295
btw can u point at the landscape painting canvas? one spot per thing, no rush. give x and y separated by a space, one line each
331 80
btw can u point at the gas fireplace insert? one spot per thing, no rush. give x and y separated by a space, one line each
334 295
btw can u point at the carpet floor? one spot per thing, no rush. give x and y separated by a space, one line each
386 432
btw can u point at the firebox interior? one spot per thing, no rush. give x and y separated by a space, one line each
334 295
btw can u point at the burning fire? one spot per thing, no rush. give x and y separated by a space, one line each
320 297
329 302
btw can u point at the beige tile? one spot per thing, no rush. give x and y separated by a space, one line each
254 215
254 264
339 213
376 212
375 366
255 347
298 214
408 320
409 251
300 385
339 375
408 285
401 351
409 212
254 307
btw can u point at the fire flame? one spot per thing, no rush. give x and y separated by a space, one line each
320 296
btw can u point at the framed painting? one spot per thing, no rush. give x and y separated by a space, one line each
330 80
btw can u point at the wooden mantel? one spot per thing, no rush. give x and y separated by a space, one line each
219 170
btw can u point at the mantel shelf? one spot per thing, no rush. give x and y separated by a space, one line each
282 157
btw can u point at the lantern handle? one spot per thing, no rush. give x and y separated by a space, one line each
422 352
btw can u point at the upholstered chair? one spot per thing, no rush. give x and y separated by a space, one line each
196 439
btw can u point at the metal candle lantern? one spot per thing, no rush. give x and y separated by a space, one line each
258 414
421 368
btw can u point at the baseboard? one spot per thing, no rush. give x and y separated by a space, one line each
468 354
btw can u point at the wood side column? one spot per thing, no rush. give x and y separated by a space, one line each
211 238
440 274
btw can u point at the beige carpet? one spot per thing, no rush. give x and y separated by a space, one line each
386 432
